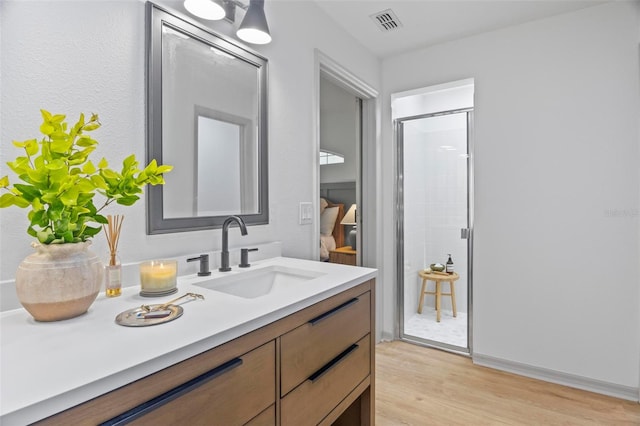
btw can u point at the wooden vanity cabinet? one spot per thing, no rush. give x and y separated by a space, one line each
315 366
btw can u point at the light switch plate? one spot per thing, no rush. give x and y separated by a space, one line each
306 213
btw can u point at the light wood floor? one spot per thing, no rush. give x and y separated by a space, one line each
421 386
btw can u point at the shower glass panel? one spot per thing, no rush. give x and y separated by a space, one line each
434 221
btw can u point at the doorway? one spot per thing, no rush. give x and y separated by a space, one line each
434 226
340 156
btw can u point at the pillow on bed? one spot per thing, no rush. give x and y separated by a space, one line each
328 220
323 204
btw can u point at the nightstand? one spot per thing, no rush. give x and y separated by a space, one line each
345 255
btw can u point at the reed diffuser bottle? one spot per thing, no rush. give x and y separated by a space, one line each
113 268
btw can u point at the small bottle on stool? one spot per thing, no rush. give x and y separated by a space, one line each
449 267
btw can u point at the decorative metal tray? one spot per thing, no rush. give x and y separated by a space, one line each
138 317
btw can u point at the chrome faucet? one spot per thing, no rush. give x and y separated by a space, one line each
224 258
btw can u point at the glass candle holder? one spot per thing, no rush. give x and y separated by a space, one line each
158 277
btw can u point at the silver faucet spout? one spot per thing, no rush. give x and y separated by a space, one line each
224 257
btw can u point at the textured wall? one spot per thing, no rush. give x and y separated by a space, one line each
69 56
557 187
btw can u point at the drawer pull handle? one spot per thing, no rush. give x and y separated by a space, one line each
328 366
172 394
335 310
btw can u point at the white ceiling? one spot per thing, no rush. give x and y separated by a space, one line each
429 22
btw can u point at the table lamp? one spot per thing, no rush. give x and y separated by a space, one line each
350 219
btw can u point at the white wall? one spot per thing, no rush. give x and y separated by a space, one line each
338 126
556 188
68 57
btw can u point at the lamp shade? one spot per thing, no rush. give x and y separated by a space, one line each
350 217
254 28
205 9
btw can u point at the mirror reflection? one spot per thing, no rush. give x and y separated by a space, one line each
207 100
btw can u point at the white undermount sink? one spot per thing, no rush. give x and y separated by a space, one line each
259 282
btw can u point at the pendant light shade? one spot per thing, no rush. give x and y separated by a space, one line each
254 28
205 9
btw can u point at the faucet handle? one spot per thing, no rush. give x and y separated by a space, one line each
244 257
204 264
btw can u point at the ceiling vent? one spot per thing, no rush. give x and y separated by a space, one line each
386 20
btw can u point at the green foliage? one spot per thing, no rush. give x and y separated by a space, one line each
60 182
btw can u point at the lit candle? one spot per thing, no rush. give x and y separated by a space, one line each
158 275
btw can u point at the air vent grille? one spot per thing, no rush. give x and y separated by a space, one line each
386 20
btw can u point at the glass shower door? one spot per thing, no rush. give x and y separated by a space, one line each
433 223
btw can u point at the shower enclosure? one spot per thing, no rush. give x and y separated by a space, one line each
434 215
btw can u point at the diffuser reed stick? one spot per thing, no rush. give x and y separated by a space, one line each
114 270
112 231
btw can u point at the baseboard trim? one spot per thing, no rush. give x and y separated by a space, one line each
579 382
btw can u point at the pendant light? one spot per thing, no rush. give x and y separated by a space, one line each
254 28
205 9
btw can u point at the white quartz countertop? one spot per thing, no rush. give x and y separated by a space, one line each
46 368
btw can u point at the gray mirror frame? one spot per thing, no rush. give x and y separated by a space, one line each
156 16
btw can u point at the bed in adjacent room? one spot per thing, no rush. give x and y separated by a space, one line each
331 231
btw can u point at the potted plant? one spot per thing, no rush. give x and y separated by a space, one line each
60 183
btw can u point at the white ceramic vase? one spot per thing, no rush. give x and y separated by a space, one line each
59 281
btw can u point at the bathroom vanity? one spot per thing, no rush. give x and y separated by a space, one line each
297 353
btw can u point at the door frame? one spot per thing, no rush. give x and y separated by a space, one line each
399 222
368 187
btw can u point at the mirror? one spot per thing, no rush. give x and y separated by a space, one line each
207 117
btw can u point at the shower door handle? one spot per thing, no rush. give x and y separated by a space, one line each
464 233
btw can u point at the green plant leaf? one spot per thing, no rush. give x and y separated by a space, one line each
90 126
58 118
45 236
20 202
127 200
80 121
68 237
46 115
165 168
82 155
35 176
59 135
100 219
60 146
55 165
89 168
98 182
109 174
49 197
151 167
60 182
129 162
70 196
47 129
40 218
28 192
85 186
85 141
91 231
32 147
6 200
55 212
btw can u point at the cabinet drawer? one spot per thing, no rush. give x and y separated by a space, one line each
266 418
230 394
310 346
310 402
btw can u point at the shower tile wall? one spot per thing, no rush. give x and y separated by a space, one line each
435 205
